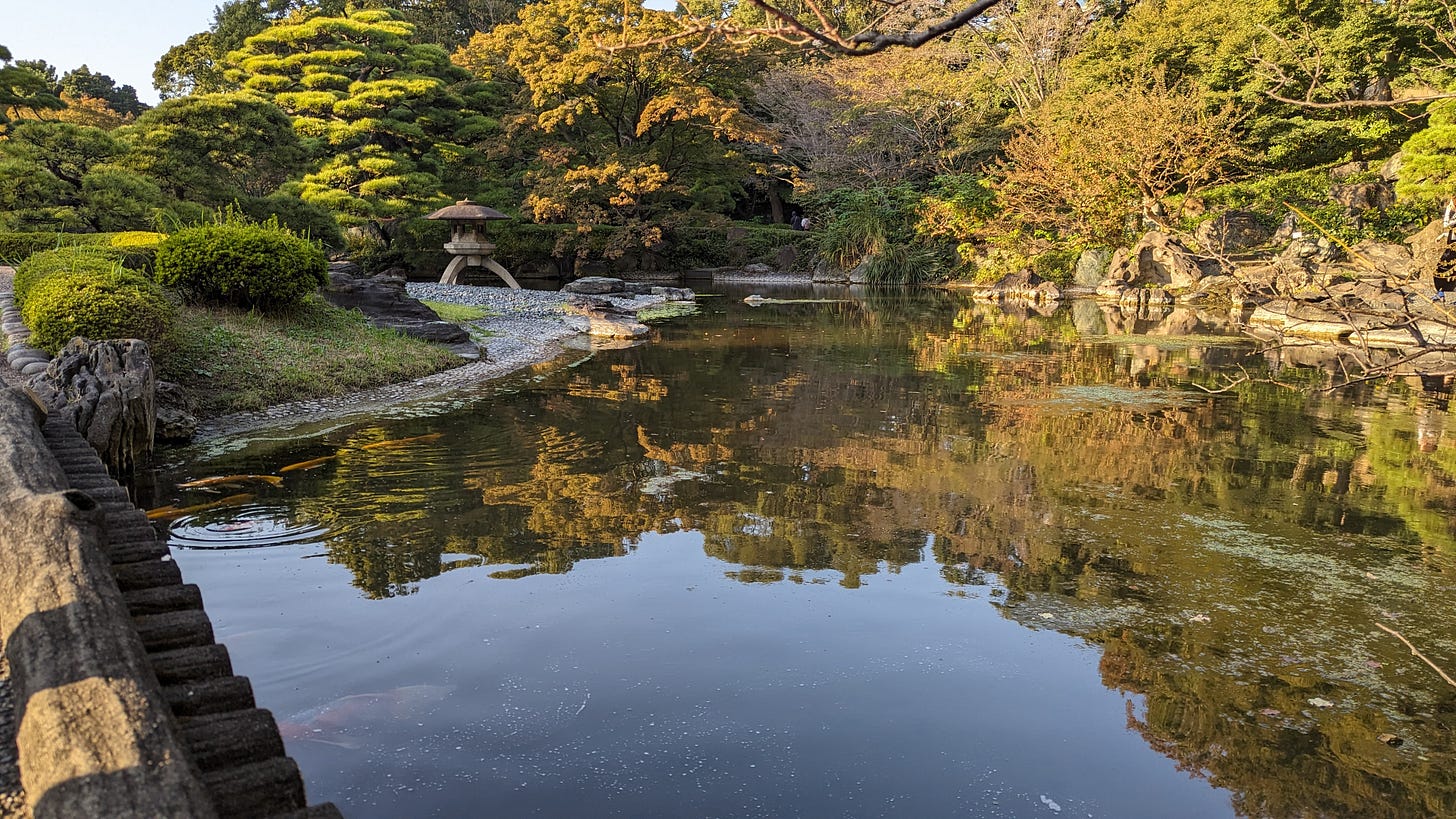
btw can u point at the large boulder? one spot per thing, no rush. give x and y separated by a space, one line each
1426 246
175 421
1158 260
1359 197
1388 258
595 286
385 304
1233 232
1091 266
107 390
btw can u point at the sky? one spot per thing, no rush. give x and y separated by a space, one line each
119 38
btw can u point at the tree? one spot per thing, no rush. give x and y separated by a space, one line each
617 134
212 149
1428 165
60 176
83 82
393 116
22 89
1094 159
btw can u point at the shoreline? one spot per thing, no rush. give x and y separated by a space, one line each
527 328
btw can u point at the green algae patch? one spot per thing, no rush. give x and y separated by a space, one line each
457 313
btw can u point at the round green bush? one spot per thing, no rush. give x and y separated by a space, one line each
108 305
248 265
88 259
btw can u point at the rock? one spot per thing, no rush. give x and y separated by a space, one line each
826 273
1359 197
34 367
1426 246
175 421
595 286
1390 168
759 269
1232 232
346 268
1024 286
1091 266
1390 259
674 293
785 257
1340 173
861 272
1288 226
1308 249
1161 260
384 303
107 389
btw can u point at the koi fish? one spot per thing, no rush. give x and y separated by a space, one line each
173 512
316 462
236 480
333 722
402 441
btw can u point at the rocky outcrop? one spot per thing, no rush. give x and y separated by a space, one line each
384 303
175 421
606 286
1091 267
107 390
1233 232
1021 286
1157 262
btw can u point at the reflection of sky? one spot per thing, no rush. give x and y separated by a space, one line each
655 685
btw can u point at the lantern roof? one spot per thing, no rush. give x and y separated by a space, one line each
467 211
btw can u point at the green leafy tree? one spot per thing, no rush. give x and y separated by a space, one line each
392 116
60 176
212 149
83 82
1428 165
23 89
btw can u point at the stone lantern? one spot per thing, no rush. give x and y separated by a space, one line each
467 240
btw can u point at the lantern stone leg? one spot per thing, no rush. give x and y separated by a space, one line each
459 263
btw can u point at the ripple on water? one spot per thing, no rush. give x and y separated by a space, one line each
249 526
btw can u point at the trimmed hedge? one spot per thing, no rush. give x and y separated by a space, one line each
140 246
91 259
242 264
97 305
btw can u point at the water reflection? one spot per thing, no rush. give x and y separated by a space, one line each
1228 553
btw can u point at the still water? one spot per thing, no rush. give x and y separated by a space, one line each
895 556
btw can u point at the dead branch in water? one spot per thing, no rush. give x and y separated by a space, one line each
1416 652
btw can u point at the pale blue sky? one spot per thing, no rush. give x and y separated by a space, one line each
121 38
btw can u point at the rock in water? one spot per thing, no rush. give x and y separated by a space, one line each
108 391
383 301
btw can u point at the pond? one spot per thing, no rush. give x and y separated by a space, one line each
900 555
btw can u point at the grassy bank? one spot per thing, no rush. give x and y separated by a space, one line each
231 360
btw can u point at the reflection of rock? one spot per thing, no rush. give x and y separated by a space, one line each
108 391
602 318
1087 318
384 303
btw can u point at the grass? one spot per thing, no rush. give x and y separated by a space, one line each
231 360
458 313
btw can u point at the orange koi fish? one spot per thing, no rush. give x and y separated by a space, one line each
308 464
173 512
402 441
236 480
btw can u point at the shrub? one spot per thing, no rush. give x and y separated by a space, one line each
16 247
88 259
98 305
242 263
